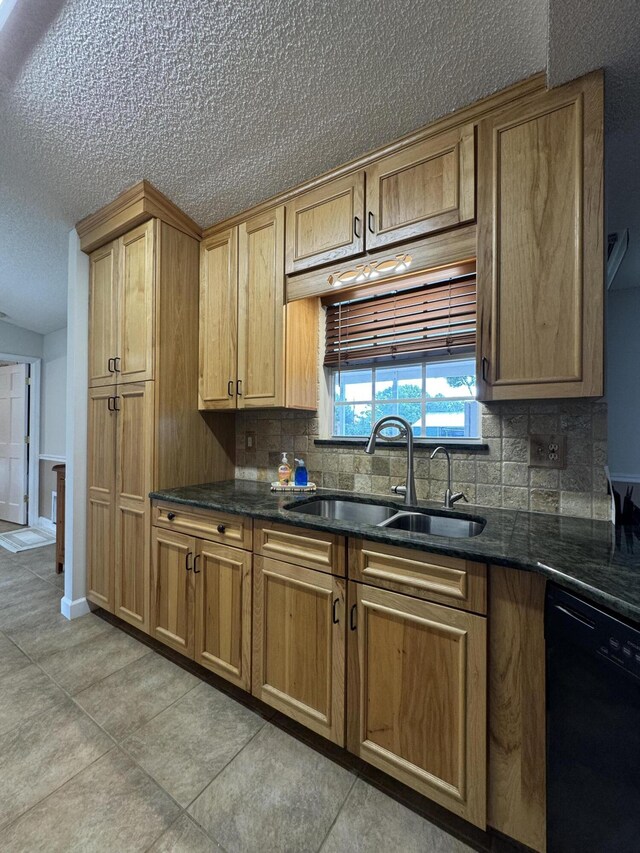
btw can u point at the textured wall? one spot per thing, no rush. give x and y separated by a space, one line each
497 477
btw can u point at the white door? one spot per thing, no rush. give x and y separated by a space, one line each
13 447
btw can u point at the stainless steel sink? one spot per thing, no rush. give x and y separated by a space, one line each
435 525
345 510
379 515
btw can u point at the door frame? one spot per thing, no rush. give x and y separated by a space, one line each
33 479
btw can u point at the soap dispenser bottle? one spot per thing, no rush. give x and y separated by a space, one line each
301 475
284 471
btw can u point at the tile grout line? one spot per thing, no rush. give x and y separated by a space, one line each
338 813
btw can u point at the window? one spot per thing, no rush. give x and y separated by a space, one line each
437 397
407 351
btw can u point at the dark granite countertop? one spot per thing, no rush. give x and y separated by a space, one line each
590 558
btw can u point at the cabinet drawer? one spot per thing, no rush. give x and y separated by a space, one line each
216 526
432 577
310 548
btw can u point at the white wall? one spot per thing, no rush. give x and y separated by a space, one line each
74 602
14 340
54 394
623 382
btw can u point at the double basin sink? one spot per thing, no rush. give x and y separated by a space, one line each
431 522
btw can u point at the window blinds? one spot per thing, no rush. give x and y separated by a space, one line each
436 318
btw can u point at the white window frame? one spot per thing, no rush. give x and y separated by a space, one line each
385 365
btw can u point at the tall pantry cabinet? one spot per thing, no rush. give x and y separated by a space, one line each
144 429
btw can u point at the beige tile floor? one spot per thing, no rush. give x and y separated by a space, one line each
106 745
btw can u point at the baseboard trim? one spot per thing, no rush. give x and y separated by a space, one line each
46 524
73 609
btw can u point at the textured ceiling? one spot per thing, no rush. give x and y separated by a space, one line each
220 104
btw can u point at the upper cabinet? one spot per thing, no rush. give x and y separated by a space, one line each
218 321
540 246
326 224
255 351
261 310
422 188
103 276
121 293
134 358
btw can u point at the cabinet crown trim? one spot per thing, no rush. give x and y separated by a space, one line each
135 205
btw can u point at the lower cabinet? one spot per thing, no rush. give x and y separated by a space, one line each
119 479
201 602
398 679
299 644
417 696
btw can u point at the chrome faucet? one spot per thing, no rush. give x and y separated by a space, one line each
449 498
404 430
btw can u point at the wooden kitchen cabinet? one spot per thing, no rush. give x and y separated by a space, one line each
134 403
326 223
255 351
417 696
120 460
261 310
222 578
540 246
121 318
218 321
101 491
422 188
103 344
299 644
145 432
135 304
172 589
201 602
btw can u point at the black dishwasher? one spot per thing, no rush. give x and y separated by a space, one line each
593 728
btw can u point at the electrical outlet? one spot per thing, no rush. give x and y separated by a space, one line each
547 451
250 441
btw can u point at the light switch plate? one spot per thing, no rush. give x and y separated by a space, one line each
250 441
547 451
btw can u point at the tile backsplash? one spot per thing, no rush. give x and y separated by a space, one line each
498 476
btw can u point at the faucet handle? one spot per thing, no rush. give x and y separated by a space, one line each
399 490
458 496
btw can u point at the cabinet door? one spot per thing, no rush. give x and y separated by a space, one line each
299 644
326 223
261 311
540 246
218 321
103 292
172 590
223 611
417 696
135 304
425 187
133 514
101 486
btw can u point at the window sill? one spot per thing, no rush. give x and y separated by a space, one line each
470 445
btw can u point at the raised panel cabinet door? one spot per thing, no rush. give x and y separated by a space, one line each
218 321
134 466
172 589
261 311
422 188
299 644
540 246
223 611
101 486
136 304
103 314
417 696
326 223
